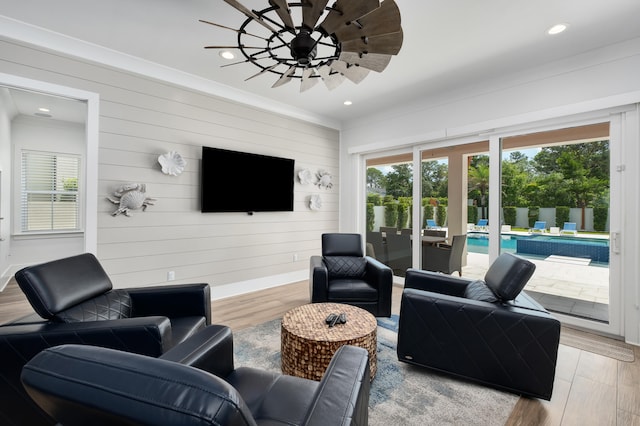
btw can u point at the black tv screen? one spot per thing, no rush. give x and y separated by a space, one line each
235 181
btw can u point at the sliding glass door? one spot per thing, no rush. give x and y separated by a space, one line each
555 200
543 195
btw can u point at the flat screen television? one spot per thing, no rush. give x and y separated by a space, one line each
235 181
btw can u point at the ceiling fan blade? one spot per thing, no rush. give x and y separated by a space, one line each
312 10
247 12
233 47
386 44
262 71
353 73
331 80
285 78
383 20
307 81
283 12
245 61
370 61
345 11
232 29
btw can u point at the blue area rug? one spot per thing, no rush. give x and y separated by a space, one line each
401 394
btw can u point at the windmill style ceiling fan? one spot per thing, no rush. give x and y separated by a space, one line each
330 43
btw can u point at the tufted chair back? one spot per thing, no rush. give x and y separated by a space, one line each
343 255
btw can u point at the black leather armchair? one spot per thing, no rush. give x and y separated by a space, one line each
486 331
343 275
75 303
82 385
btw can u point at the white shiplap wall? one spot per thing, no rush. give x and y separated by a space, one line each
141 118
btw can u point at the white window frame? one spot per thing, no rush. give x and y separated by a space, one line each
20 228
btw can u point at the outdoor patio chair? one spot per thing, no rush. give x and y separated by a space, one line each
399 253
539 226
388 230
444 258
569 228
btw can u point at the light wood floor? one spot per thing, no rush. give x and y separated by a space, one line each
589 389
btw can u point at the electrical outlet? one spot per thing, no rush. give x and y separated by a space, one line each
295 257
171 275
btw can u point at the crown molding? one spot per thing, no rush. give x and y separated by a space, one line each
37 36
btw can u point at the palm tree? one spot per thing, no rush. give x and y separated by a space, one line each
479 180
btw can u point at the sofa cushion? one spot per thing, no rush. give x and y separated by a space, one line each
355 290
272 398
115 304
508 275
345 266
478 290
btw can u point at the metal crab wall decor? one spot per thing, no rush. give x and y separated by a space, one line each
130 196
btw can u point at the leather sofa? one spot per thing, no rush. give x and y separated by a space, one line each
75 303
488 331
344 275
80 385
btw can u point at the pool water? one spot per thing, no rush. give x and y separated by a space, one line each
595 249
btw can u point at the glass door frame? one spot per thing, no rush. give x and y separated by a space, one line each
616 308
615 117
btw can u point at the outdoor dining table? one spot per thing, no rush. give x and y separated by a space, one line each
426 239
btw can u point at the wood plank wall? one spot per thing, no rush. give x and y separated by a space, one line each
141 118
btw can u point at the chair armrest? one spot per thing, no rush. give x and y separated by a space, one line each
182 300
436 282
146 335
210 349
319 279
380 276
343 395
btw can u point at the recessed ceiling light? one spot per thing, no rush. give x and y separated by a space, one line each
347 103
557 29
41 109
226 54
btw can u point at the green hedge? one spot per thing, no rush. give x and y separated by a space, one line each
534 212
562 215
472 214
375 199
441 215
509 213
370 217
391 214
403 215
600 218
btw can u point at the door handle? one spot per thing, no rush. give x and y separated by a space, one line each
615 242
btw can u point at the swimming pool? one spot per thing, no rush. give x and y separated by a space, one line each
596 249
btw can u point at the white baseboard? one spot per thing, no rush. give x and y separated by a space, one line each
249 286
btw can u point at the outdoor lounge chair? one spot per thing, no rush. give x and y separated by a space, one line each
569 228
539 226
431 224
481 225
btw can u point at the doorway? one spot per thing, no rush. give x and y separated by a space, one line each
70 112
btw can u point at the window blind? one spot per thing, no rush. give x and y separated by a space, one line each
49 192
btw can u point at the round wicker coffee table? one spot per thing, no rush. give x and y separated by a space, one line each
308 343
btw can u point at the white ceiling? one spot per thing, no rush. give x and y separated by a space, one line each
448 44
